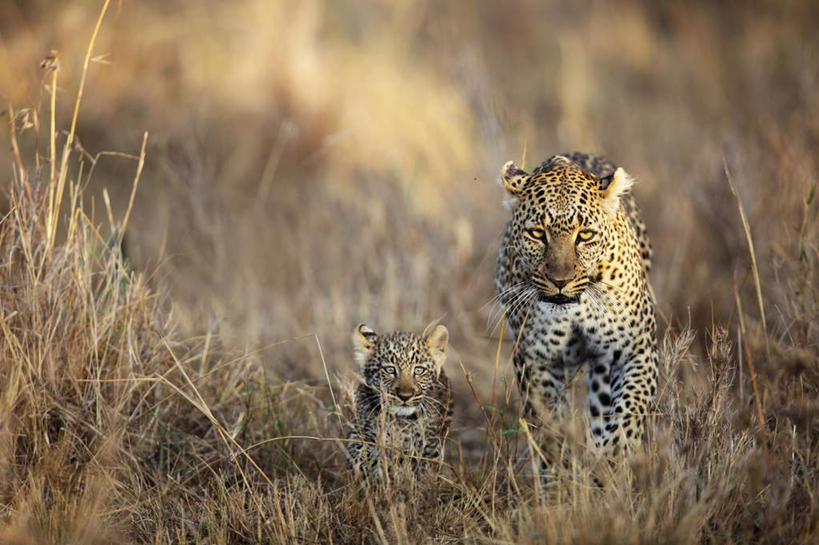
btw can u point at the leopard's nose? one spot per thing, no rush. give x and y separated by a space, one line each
404 396
560 283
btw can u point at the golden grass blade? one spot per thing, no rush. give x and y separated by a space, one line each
54 212
744 346
497 359
15 147
327 377
514 349
52 135
134 186
750 241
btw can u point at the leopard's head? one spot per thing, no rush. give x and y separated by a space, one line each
562 226
402 366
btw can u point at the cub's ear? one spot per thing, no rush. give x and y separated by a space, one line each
436 341
620 184
513 178
364 340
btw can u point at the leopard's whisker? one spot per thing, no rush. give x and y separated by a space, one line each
509 301
523 300
514 304
515 297
508 293
593 298
609 300
597 297
502 294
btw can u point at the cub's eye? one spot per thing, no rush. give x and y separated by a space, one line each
389 369
585 235
537 234
419 371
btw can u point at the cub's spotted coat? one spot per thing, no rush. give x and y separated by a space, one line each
572 276
403 402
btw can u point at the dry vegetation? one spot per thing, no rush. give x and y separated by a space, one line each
312 165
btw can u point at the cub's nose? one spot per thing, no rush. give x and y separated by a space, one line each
403 396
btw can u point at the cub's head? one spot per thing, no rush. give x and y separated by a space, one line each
402 366
563 220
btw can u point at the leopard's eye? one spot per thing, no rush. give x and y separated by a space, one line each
585 235
389 369
419 371
535 233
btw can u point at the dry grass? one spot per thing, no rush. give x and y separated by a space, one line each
312 165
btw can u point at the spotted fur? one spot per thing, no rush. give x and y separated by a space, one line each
403 401
572 276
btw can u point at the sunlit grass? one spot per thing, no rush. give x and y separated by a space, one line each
313 165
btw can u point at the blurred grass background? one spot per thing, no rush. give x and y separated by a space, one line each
312 165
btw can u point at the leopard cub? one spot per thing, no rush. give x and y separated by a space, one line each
403 403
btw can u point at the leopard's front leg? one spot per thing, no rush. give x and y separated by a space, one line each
542 386
633 386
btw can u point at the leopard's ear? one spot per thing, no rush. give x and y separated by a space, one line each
513 178
437 341
620 185
555 160
364 340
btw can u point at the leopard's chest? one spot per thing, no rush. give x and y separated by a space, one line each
569 335
405 434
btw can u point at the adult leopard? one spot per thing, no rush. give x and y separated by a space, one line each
572 276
